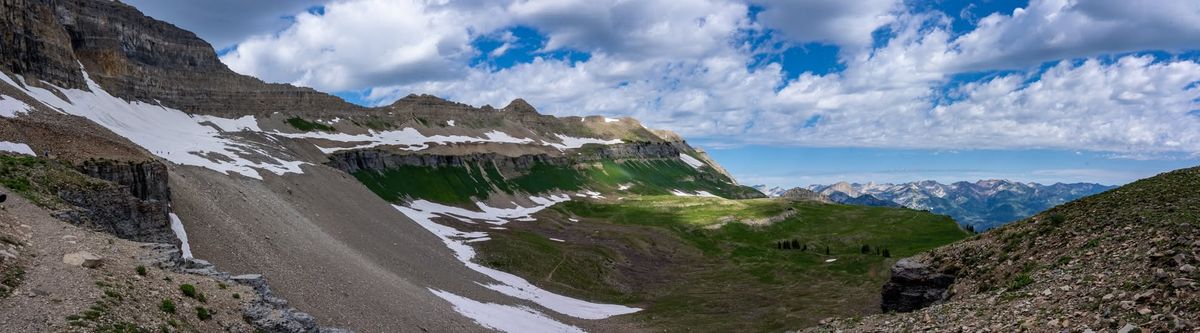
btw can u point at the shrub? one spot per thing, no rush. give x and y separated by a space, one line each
167 306
222 285
188 290
886 253
200 297
237 296
308 126
141 270
203 313
1020 282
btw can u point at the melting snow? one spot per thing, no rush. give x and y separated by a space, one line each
506 318
830 260
168 133
697 194
19 148
611 120
423 213
177 227
557 240
692 161
450 123
575 143
409 137
624 187
12 107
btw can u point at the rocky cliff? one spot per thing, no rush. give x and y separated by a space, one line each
138 58
375 159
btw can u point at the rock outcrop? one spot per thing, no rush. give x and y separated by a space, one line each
801 194
374 159
914 286
136 57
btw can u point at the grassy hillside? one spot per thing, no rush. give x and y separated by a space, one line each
691 263
461 184
1123 259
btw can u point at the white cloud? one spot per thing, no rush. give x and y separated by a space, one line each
1048 30
681 65
635 29
845 23
224 23
366 43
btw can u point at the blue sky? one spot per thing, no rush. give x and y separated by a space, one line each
780 92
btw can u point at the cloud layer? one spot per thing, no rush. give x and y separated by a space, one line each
909 80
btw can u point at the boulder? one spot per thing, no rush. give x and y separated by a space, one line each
914 286
83 259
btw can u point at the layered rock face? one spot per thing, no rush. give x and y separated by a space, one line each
138 58
914 286
136 208
373 159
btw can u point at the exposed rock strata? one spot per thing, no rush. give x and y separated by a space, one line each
914 286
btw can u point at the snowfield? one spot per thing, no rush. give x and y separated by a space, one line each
692 161
19 148
680 193
165 132
12 107
408 137
505 318
177 227
423 212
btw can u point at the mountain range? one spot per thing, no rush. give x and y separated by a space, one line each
150 188
981 205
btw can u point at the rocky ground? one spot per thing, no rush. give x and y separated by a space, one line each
62 278
1124 260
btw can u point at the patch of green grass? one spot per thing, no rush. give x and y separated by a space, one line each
10 279
188 290
309 126
775 289
141 270
167 306
203 313
461 184
1019 282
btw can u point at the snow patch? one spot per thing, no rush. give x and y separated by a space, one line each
623 187
408 137
830 260
450 123
557 240
12 107
177 227
681 193
423 212
569 142
165 132
505 318
611 120
692 161
19 148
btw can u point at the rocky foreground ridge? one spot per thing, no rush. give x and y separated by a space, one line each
1123 260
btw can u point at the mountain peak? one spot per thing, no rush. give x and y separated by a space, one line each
519 105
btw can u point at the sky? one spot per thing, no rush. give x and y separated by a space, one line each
780 92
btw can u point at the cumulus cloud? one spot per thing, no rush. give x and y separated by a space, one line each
360 44
224 23
1048 30
635 29
846 23
685 65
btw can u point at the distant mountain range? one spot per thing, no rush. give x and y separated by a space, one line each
981 205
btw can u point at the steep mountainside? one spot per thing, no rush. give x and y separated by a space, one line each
1121 260
279 180
982 205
